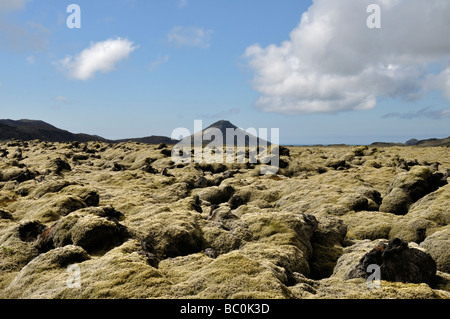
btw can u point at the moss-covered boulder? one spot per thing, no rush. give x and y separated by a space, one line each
121 273
231 276
425 217
215 194
173 233
437 245
282 228
409 187
370 225
17 245
93 233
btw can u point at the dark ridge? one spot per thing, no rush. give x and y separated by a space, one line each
432 142
29 130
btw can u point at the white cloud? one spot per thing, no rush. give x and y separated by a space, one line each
190 36
99 57
160 61
333 62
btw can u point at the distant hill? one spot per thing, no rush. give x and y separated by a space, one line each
433 142
27 130
223 126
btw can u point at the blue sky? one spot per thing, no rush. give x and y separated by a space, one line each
171 62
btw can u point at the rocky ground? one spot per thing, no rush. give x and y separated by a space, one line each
139 226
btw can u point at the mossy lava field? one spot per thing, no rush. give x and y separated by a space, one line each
99 220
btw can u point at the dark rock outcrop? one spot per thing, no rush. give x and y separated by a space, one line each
6 215
30 231
398 263
60 165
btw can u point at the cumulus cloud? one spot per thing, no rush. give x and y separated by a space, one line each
333 62
99 57
190 37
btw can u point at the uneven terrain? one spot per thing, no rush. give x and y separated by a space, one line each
139 226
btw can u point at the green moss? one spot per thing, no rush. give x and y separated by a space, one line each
5 251
229 276
273 227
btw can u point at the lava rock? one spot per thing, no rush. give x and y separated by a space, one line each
210 252
283 163
284 151
147 251
92 232
6 215
149 169
337 164
60 165
398 263
437 246
24 176
216 194
236 201
409 187
174 233
117 167
29 231
3 153
201 182
166 152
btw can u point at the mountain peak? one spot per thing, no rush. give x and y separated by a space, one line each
222 125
